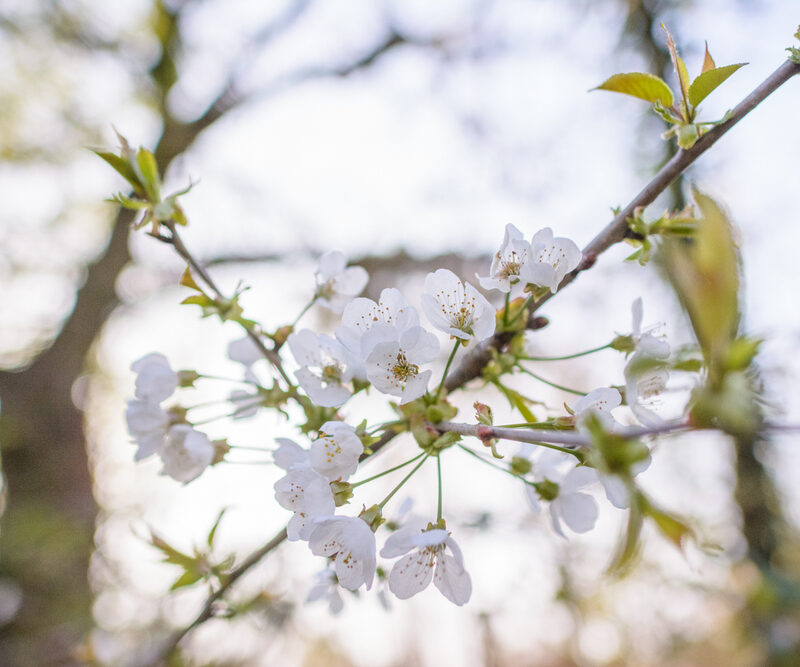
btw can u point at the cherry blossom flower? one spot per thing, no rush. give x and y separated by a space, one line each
509 262
337 284
642 384
413 573
155 380
350 543
393 364
645 375
564 491
186 453
457 308
303 490
599 402
361 315
327 587
336 452
325 367
645 342
551 260
147 423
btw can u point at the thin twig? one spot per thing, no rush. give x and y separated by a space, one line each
569 438
177 242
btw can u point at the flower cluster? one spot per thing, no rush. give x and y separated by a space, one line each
184 451
383 345
542 263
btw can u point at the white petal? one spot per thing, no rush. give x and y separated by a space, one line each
616 491
332 263
289 453
324 395
578 510
637 310
411 574
452 579
578 478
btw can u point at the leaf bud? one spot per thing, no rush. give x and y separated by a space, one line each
483 413
688 136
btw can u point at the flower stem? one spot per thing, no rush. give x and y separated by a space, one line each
552 384
492 464
446 369
439 475
505 310
568 356
305 310
386 472
403 481
203 376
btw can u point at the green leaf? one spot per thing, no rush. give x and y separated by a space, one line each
705 275
645 86
186 579
680 69
212 533
705 84
629 546
148 170
123 168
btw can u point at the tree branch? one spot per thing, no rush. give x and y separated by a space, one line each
472 366
556 437
615 231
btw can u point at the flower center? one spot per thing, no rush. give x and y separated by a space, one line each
332 374
325 290
402 370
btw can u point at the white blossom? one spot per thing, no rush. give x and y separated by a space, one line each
325 367
308 495
644 341
336 452
569 504
337 284
551 259
457 308
147 423
186 453
350 543
393 365
509 262
327 587
429 560
361 315
599 402
155 380
642 383
645 374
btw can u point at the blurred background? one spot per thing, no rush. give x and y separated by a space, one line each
406 134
